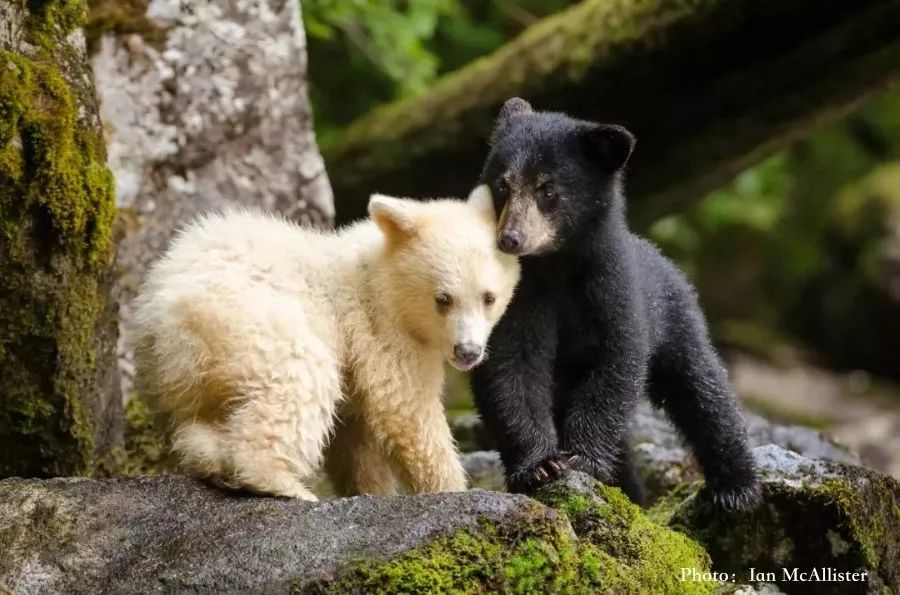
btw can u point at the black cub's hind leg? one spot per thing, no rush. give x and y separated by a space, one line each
688 380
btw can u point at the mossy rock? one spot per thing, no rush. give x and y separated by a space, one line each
665 463
649 553
815 515
61 409
168 533
591 540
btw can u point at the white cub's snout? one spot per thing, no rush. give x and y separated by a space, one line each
467 355
469 337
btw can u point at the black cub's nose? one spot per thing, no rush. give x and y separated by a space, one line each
466 354
510 241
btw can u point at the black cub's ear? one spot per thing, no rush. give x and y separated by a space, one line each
512 107
609 144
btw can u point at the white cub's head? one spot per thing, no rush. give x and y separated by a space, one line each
445 279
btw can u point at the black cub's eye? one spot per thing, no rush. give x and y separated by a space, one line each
547 193
443 301
502 187
489 298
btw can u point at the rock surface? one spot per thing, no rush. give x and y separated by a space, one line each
815 515
209 111
171 534
168 533
659 453
665 463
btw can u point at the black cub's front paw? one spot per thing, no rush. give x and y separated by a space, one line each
733 498
529 477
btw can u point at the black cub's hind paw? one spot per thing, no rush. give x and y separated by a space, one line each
531 477
732 499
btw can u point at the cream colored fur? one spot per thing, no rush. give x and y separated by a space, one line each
267 345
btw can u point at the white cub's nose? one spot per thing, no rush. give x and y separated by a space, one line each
466 355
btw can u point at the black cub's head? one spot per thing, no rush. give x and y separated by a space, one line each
552 176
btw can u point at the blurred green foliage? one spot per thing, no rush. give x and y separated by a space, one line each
366 52
806 241
769 252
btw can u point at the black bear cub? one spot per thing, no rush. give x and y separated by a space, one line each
599 318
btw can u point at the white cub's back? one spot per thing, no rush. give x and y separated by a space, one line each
250 329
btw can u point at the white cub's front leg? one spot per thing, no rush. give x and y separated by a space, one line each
415 434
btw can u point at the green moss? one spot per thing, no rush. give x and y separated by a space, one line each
145 451
666 507
593 545
56 214
56 17
872 517
539 556
122 17
652 554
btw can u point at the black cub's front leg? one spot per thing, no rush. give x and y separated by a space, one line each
513 391
595 427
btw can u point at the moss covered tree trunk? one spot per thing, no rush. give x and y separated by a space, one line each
709 87
59 404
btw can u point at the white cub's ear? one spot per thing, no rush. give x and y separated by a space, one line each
482 199
393 216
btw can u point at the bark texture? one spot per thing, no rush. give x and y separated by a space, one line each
708 86
205 106
60 411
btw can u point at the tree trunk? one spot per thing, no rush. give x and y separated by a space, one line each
709 87
60 411
205 106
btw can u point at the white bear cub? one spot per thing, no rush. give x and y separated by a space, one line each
271 348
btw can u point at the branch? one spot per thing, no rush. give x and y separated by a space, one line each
710 87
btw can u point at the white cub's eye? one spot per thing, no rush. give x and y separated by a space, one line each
443 301
489 298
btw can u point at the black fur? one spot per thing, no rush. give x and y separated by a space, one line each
599 317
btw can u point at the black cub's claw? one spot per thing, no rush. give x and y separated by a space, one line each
544 471
549 469
733 499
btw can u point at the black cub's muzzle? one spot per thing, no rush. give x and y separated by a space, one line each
510 241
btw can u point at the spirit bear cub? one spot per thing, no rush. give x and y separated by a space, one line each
271 348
